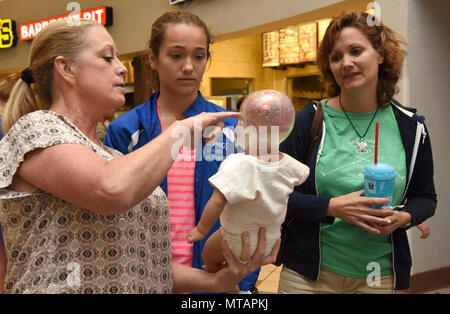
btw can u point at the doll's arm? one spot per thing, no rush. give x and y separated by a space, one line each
209 217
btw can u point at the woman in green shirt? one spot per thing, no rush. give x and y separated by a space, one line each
337 243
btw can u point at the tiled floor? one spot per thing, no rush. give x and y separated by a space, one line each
268 279
270 275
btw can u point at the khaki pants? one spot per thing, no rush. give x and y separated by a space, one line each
330 283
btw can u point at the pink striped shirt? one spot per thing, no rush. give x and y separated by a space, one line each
180 194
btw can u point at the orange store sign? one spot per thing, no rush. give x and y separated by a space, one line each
102 15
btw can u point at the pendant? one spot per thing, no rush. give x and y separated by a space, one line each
362 146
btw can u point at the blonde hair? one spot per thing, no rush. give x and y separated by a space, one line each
57 39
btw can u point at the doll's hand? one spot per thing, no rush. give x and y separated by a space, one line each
194 235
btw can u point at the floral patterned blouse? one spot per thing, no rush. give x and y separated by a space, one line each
56 247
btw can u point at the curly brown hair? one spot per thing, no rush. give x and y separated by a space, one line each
383 39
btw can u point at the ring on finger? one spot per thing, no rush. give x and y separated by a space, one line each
243 261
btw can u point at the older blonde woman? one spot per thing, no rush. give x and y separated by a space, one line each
79 217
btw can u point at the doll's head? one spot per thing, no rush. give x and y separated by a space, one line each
267 118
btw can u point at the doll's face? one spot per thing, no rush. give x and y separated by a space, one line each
267 118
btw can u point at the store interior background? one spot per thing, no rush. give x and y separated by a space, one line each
236 69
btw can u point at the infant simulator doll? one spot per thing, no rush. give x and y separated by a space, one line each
251 189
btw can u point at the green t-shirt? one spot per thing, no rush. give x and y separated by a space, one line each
345 248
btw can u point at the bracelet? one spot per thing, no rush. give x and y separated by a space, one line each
407 225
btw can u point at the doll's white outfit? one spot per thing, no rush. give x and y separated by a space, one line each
257 194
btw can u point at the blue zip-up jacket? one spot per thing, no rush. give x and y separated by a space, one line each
140 125
302 250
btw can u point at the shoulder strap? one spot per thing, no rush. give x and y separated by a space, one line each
316 129
316 132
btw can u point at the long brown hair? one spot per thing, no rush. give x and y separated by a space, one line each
383 39
158 31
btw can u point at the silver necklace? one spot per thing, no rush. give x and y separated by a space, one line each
362 144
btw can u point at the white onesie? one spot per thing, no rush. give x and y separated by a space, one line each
257 194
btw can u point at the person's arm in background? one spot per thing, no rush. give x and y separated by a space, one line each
425 229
